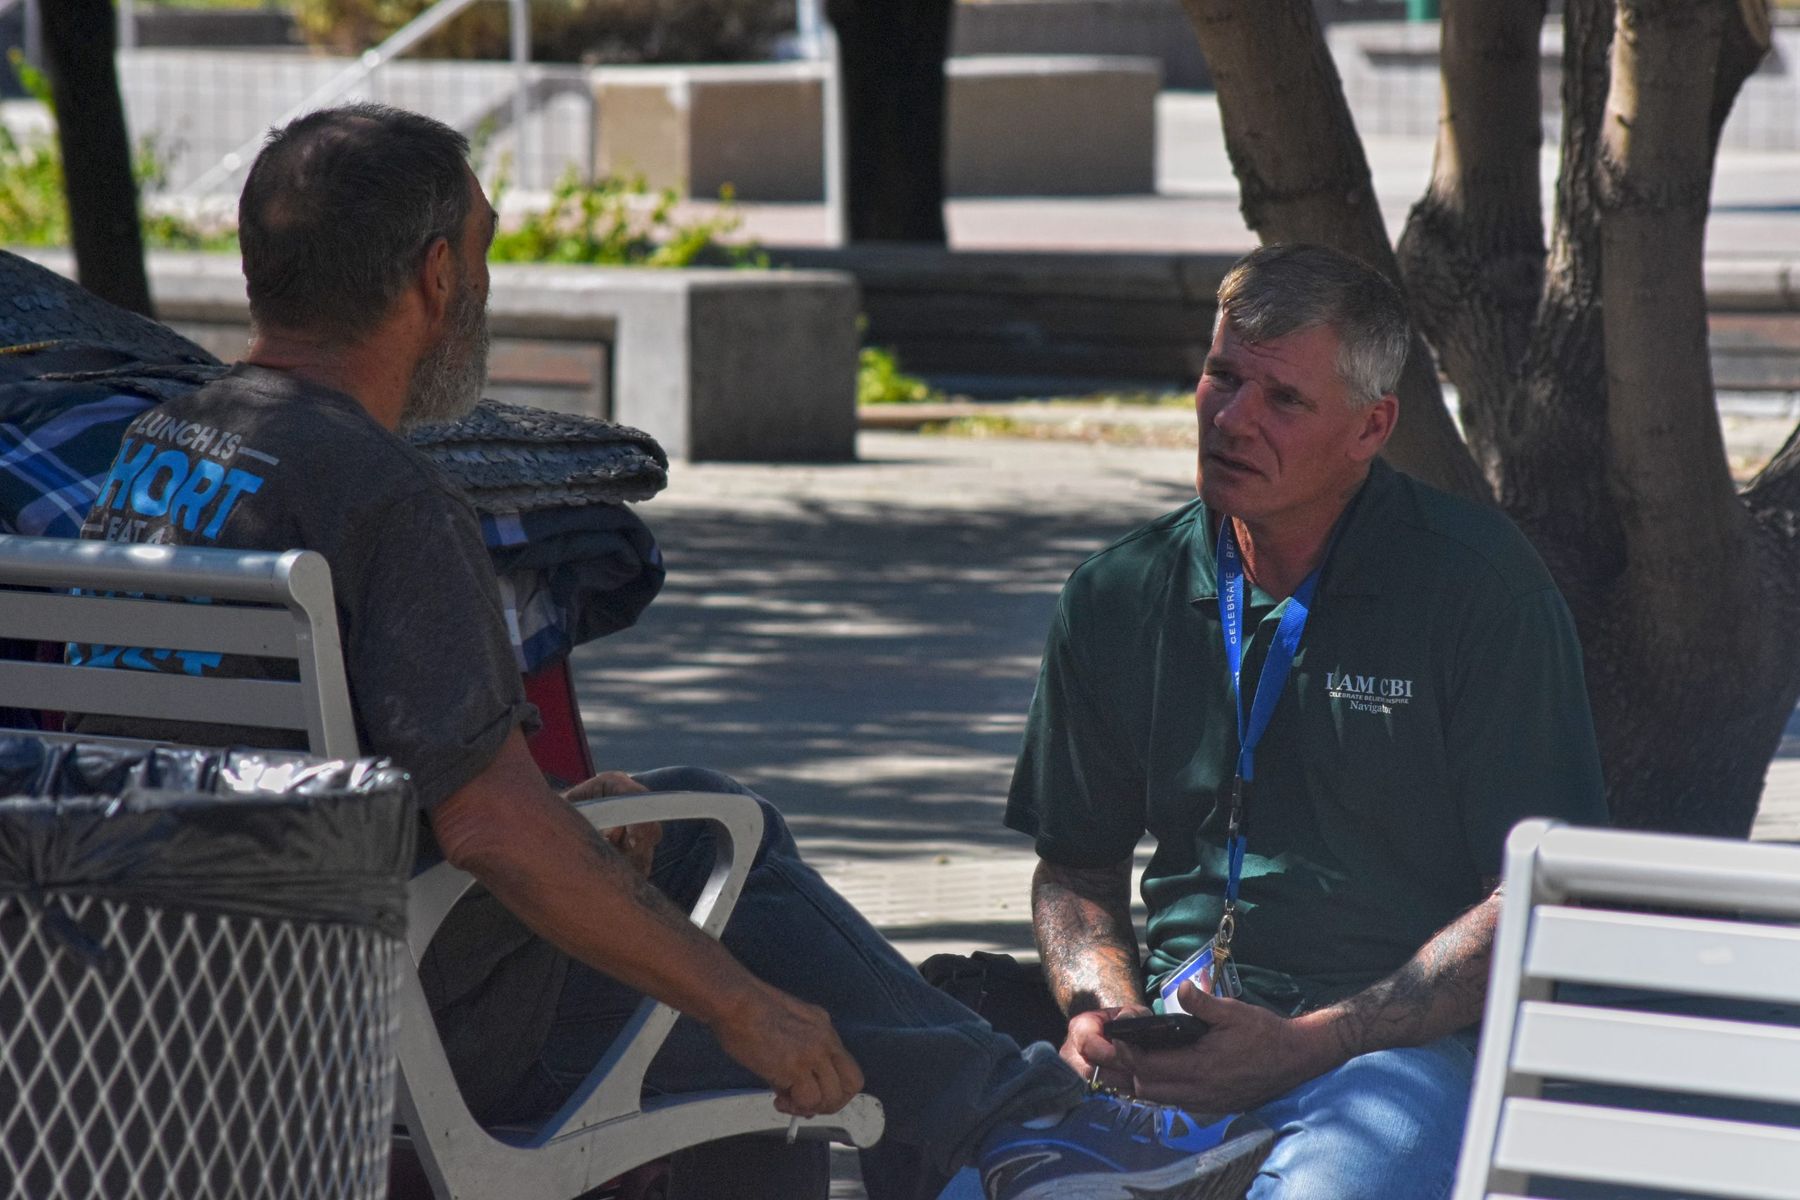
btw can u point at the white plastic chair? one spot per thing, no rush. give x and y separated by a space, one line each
281 608
1555 931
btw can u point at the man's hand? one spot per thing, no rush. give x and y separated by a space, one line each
791 1045
636 842
1248 1057
1086 1047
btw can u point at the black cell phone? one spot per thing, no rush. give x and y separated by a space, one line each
1162 1032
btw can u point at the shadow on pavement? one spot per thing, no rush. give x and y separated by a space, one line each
866 665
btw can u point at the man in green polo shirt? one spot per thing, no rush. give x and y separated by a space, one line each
1356 682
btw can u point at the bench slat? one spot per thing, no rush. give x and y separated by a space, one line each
263 703
158 624
1654 1050
1709 1157
1668 954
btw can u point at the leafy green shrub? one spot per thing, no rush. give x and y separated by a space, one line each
564 30
879 380
619 222
33 209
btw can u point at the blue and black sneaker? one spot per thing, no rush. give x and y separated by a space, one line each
1112 1147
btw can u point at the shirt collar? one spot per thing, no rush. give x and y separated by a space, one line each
1347 570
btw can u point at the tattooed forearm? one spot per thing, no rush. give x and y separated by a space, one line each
1082 917
607 860
1438 992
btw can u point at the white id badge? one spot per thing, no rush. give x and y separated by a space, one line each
1198 964
1199 968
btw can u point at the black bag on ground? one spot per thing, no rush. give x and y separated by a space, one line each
1010 995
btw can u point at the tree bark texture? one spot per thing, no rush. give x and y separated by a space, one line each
893 54
1303 177
1581 358
1473 250
79 40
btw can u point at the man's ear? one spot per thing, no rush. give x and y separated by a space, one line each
1378 421
437 280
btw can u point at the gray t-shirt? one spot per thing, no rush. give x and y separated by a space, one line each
261 460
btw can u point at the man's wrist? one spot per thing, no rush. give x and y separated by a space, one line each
1324 1040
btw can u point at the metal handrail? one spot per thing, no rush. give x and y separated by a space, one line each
819 42
370 61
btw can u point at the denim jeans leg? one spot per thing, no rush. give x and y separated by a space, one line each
943 1075
1384 1126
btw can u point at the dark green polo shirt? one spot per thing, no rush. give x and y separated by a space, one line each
1436 699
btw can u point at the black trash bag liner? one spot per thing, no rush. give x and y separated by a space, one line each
236 832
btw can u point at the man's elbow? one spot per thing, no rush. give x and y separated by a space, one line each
488 826
470 840
487 833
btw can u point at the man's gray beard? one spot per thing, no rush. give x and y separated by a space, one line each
446 385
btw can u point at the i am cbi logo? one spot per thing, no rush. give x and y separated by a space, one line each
1369 693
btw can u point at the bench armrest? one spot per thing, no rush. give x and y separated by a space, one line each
614 1087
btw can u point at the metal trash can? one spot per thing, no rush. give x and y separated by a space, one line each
200 952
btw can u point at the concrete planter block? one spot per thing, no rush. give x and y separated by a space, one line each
1050 125
1016 125
718 365
753 126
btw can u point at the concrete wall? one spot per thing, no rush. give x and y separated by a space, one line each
1015 126
1390 74
999 323
1154 28
718 365
1043 324
199 105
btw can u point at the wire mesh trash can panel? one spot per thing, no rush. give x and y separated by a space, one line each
197 988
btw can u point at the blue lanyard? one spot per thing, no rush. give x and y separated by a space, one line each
1275 671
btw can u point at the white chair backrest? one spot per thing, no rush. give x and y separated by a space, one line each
1574 914
270 605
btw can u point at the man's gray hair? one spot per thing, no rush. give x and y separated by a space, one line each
1283 288
339 211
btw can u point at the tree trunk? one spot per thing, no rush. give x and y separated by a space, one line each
1550 437
1303 177
893 54
1583 367
1701 604
79 40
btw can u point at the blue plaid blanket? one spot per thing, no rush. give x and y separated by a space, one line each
567 574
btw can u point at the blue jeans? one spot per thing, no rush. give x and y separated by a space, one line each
1384 1126
943 1075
